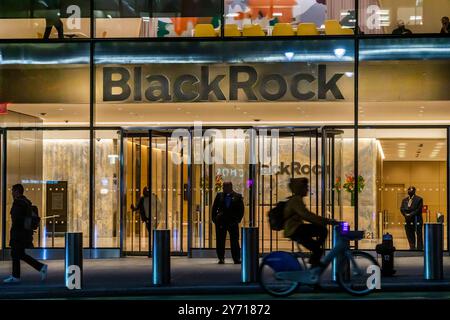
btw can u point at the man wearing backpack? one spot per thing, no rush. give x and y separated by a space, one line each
21 237
311 235
227 213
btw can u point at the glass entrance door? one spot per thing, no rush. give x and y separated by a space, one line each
152 162
297 155
218 156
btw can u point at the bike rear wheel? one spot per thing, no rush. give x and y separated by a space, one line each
278 262
353 277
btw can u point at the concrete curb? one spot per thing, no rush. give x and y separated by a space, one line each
60 292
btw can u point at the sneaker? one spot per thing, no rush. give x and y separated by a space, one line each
11 279
43 272
221 261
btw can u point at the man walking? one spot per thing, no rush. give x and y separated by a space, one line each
21 238
227 213
411 209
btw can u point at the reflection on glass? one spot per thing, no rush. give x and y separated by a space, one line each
154 18
402 17
44 19
392 161
107 192
53 166
288 18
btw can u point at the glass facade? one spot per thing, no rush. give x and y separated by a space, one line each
88 123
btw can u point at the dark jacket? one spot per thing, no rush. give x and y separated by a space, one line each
446 31
222 215
143 207
296 213
414 211
402 30
19 237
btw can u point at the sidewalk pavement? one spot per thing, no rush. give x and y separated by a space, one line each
131 276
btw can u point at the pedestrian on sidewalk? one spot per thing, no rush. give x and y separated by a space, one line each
20 237
227 213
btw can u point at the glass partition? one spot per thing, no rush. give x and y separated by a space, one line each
303 83
46 19
107 189
288 18
53 167
391 161
44 84
403 17
155 18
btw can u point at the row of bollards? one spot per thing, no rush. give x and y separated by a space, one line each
161 256
161 269
73 262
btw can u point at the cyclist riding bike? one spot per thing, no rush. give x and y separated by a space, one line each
311 235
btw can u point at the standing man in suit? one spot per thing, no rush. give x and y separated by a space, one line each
411 209
227 213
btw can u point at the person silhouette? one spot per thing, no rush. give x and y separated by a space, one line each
227 213
52 19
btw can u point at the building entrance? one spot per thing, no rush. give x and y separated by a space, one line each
184 172
150 164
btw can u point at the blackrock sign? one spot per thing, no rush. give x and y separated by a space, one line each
201 83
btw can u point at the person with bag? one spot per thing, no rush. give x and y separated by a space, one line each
311 235
21 236
227 213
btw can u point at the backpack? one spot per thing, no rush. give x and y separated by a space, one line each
276 216
32 219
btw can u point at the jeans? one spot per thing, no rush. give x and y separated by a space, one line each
17 254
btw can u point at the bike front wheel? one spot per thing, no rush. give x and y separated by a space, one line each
354 272
278 262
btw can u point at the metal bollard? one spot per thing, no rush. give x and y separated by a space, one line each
250 254
334 268
433 252
73 262
161 257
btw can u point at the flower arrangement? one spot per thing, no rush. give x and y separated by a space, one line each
349 186
218 183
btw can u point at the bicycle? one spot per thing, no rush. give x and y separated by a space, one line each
281 273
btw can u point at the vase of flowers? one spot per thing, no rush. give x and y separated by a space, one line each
350 186
218 183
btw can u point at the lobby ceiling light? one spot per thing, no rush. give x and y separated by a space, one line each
339 52
289 55
277 14
349 74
